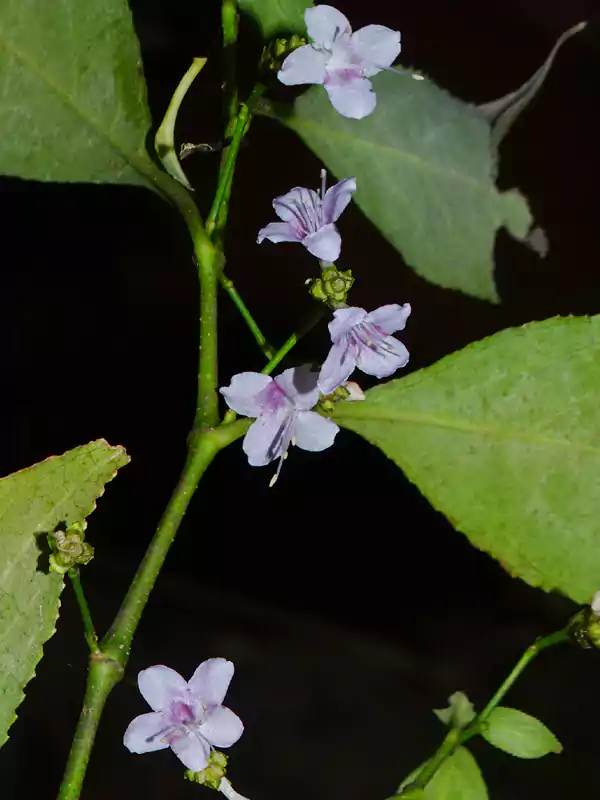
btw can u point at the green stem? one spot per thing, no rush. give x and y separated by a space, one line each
207 405
208 266
265 347
242 123
293 340
280 354
107 666
560 637
455 738
229 25
103 675
88 624
203 448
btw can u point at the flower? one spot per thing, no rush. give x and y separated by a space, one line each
282 409
341 60
310 219
362 340
189 716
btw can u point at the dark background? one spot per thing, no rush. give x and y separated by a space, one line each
349 607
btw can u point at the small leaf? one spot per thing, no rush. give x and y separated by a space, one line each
503 438
503 112
73 101
425 176
460 712
62 489
519 734
458 778
164 141
277 17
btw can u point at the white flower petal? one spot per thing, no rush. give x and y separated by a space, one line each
314 432
300 386
300 207
356 394
384 359
278 232
377 47
324 24
344 319
304 65
266 438
337 198
243 393
192 749
390 318
325 244
338 366
222 728
210 681
161 685
143 733
351 98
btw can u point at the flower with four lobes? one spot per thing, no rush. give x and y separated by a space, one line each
310 219
363 340
341 60
189 716
282 409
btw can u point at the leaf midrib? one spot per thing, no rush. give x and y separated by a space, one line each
298 123
132 159
489 431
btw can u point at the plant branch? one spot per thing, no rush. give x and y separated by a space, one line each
88 624
455 737
261 341
242 122
107 666
103 675
229 26
293 340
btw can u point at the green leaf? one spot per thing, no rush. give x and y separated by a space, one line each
276 17
164 141
519 734
503 112
425 175
460 712
73 101
458 778
503 438
62 489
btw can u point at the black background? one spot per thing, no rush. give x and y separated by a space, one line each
349 607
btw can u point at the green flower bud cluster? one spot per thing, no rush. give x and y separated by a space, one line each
278 50
584 629
328 402
214 772
69 548
332 287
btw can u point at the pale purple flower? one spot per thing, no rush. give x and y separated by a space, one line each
189 717
341 60
363 340
310 219
282 409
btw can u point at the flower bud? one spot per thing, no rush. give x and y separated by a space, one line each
278 50
584 629
332 287
69 548
214 772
